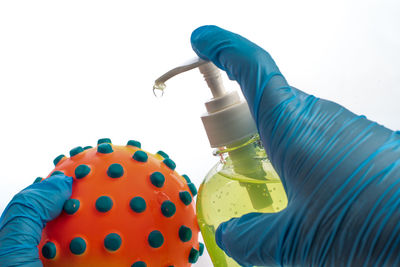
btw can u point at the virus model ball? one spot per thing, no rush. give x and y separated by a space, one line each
128 208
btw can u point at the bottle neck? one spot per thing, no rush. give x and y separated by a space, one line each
245 157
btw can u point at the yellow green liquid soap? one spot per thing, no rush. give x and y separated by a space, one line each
244 181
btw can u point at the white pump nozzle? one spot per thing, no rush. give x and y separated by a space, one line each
228 118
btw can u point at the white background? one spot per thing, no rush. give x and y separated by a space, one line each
75 71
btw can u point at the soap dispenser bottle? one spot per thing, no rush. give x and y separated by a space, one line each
243 180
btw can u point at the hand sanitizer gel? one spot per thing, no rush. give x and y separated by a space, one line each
243 180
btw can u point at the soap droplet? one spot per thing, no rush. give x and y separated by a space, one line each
158 89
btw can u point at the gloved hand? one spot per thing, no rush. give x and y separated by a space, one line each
25 216
340 171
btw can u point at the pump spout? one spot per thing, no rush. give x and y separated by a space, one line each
210 72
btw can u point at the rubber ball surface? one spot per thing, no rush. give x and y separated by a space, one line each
128 208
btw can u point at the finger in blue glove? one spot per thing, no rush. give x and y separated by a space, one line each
25 216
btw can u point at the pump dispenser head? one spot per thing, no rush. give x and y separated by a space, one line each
228 119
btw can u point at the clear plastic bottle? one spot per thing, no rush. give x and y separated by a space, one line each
243 181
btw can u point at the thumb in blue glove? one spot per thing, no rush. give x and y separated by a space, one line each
25 216
340 171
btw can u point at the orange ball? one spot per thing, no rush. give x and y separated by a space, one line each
128 208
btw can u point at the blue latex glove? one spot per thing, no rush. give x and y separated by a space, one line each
340 171
25 216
